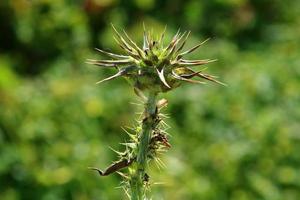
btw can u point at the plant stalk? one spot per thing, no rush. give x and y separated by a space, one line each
139 169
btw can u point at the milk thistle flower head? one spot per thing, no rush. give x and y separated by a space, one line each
154 67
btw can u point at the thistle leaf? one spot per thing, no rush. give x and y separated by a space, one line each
96 169
114 167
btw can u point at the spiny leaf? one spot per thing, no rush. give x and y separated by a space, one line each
114 167
96 169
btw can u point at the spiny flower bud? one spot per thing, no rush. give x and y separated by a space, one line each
154 67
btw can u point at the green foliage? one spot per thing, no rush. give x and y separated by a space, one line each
240 142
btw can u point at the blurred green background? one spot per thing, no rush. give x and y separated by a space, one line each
240 142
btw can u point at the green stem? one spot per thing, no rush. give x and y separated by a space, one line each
148 124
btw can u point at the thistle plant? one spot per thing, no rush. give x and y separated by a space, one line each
151 69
